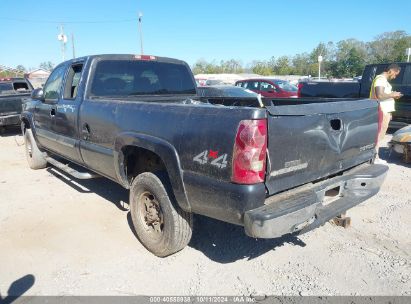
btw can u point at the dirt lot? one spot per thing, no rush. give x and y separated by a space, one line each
74 238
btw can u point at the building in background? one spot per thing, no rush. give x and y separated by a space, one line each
37 77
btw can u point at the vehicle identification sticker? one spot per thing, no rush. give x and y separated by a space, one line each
212 157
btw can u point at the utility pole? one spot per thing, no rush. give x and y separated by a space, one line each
320 59
72 44
408 52
140 15
63 39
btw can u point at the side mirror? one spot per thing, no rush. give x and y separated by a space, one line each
38 94
271 91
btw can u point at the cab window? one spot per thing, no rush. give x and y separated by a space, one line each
52 87
265 86
252 85
113 78
72 82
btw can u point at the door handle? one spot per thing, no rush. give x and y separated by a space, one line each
85 132
53 112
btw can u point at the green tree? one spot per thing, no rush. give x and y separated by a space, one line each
261 68
328 52
47 65
389 47
350 59
21 68
204 67
231 66
300 64
283 66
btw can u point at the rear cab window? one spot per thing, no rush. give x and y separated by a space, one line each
6 87
21 86
15 85
127 78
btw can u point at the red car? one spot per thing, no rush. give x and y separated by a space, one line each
271 88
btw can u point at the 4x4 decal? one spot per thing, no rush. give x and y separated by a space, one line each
218 161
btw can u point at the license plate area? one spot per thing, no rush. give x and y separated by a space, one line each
331 194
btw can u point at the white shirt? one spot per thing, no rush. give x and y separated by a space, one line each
387 105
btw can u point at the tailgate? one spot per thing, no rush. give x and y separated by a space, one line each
309 141
11 104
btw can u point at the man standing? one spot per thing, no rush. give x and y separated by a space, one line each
381 90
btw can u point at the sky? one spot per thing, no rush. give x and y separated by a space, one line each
189 30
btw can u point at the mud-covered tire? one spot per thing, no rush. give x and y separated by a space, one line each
160 224
34 156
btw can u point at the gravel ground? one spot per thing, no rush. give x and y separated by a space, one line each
74 238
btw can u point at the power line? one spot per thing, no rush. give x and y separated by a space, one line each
71 22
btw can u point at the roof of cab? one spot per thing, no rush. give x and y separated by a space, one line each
127 57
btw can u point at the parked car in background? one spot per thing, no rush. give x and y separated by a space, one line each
269 88
361 88
401 143
12 93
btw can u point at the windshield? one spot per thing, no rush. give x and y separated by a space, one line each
286 86
113 78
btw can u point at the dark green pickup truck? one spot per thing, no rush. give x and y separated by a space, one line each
12 93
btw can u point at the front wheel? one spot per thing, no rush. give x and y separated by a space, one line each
34 156
161 225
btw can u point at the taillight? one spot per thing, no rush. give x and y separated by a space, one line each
300 86
250 151
144 57
380 117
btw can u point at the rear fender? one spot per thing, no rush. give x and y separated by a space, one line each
164 150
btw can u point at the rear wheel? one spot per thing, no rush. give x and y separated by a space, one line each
161 225
34 156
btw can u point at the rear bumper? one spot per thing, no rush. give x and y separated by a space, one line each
310 206
9 120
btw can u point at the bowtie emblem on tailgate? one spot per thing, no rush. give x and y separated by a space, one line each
212 156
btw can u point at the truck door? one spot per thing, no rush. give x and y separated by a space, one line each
402 106
64 124
405 101
45 111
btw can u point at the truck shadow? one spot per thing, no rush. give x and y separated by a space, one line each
10 131
18 288
219 241
226 243
392 157
103 187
